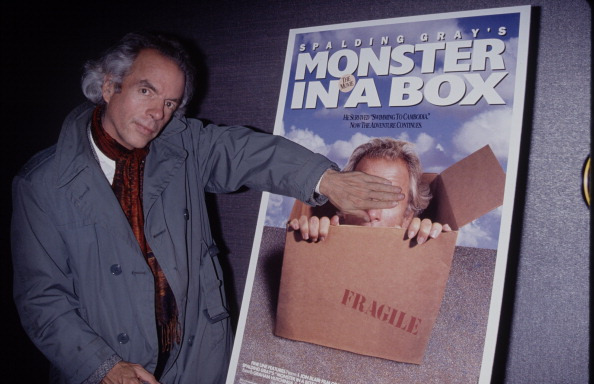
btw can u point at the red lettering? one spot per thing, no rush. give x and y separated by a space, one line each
382 312
413 326
348 295
372 309
393 316
400 320
359 303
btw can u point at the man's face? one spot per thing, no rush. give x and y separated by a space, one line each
397 172
149 95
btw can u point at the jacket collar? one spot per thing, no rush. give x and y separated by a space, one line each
74 152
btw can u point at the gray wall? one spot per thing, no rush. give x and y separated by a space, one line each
241 47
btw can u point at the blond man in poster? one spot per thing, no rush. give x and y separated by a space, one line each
394 160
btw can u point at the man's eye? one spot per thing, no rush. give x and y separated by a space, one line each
144 91
171 105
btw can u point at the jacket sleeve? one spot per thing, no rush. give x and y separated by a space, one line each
44 291
232 157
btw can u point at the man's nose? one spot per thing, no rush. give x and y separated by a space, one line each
375 214
156 110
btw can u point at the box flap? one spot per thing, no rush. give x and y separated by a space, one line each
467 190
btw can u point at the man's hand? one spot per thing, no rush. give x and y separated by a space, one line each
317 228
425 229
128 373
354 192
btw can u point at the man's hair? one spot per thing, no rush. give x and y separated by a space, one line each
117 61
391 149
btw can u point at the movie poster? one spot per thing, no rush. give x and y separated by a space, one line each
450 84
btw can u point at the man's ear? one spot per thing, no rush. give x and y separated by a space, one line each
108 88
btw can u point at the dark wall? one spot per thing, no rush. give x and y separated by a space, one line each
240 48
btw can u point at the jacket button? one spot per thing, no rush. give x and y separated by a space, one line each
115 269
191 340
123 338
186 214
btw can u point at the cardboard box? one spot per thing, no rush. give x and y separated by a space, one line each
372 291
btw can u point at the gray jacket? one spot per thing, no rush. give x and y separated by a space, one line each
82 287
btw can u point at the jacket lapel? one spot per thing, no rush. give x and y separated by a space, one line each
163 162
91 193
80 175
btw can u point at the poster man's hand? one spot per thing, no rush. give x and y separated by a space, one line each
313 228
317 228
425 229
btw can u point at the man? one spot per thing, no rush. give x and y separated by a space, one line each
394 160
116 276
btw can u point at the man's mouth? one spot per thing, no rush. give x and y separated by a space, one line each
144 129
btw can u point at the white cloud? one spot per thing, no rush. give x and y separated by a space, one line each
308 139
278 210
471 235
491 128
483 232
424 143
341 150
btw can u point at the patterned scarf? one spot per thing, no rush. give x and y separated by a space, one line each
127 186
